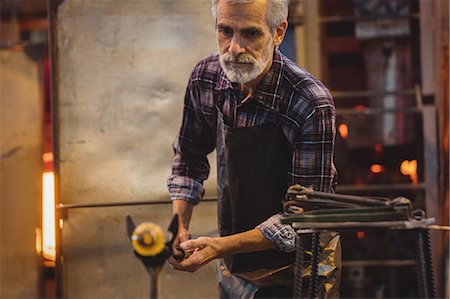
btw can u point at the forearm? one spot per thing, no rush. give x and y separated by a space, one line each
248 241
205 249
183 209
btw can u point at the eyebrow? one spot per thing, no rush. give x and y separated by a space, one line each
221 26
250 29
246 29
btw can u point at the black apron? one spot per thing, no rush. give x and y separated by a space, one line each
252 168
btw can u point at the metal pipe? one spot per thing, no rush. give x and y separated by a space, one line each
154 272
371 111
366 201
335 19
361 225
121 203
380 187
371 93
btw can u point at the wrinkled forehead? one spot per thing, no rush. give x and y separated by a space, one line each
242 12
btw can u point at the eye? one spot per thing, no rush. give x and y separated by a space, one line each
224 30
251 33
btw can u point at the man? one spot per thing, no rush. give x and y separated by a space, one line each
273 125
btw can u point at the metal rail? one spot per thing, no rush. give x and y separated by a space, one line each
371 111
309 227
372 93
64 207
338 19
380 187
378 263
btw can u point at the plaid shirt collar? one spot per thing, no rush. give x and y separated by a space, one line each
267 90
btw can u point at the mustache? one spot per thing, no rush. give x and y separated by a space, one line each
241 58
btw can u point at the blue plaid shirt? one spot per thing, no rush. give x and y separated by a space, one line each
306 114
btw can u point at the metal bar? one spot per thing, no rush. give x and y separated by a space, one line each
315 251
425 279
433 202
153 273
361 225
395 215
52 8
371 93
370 111
338 19
361 200
380 187
373 263
299 267
120 203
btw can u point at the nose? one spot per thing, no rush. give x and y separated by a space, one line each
235 47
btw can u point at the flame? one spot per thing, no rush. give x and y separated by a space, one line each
377 168
47 157
48 216
343 130
409 168
38 239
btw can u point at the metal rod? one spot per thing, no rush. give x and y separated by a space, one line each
121 203
336 19
315 251
370 111
371 93
425 279
154 272
380 187
375 263
366 201
362 225
299 267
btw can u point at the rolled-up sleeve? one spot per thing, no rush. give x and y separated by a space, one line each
281 235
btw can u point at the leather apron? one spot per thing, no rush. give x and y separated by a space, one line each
252 168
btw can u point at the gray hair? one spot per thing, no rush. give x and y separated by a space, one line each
277 11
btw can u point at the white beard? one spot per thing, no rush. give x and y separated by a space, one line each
243 76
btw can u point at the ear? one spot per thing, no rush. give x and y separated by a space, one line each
280 32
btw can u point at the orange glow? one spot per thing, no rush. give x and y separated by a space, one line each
378 147
48 216
359 107
38 238
360 235
409 168
47 157
377 168
343 130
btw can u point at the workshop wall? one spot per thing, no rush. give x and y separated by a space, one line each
122 70
21 127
